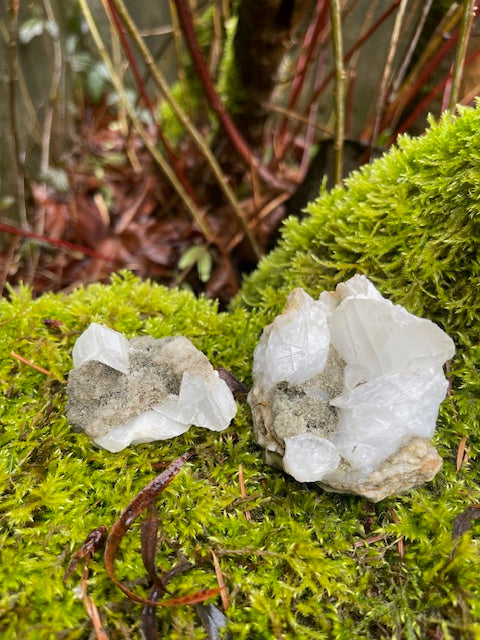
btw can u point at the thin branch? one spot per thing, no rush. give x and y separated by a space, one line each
352 68
309 47
386 75
30 363
294 115
360 42
413 90
177 45
421 107
204 149
411 48
312 118
53 94
339 91
18 164
62 244
34 130
435 51
465 28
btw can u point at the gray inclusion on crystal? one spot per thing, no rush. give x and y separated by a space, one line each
305 408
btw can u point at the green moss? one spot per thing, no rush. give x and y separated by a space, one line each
299 568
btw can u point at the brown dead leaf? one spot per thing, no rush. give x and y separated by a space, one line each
462 522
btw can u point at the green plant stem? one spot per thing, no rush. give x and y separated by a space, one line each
465 28
18 164
158 157
53 94
339 91
204 149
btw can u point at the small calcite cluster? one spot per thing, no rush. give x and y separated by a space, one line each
123 392
347 390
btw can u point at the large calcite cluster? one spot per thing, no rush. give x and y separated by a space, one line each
123 392
347 390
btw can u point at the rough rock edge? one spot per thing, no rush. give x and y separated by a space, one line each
414 464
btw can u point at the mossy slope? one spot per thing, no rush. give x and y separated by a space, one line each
299 568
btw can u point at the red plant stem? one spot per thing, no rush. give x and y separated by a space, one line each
30 363
148 103
423 104
236 138
64 244
422 77
131 60
309 47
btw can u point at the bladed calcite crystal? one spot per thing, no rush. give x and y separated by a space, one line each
347 390
123 392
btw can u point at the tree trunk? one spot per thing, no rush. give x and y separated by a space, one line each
260 42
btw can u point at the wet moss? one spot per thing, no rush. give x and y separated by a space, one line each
308 565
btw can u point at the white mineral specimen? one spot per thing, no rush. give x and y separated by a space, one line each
347 390
150 390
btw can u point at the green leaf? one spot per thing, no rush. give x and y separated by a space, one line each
192 255
58 179
80 62
30 29
96 83
204 266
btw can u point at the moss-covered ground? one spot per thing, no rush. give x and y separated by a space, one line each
308 565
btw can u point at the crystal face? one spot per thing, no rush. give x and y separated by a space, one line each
167 386
308 457
103 345
347 388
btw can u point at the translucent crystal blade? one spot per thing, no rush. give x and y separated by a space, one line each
102 344
204 402
147 427
296 346
309 458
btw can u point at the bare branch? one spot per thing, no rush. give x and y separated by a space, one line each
465 28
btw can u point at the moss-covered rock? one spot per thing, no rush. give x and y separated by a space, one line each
308 565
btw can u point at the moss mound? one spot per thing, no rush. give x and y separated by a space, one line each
308 565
